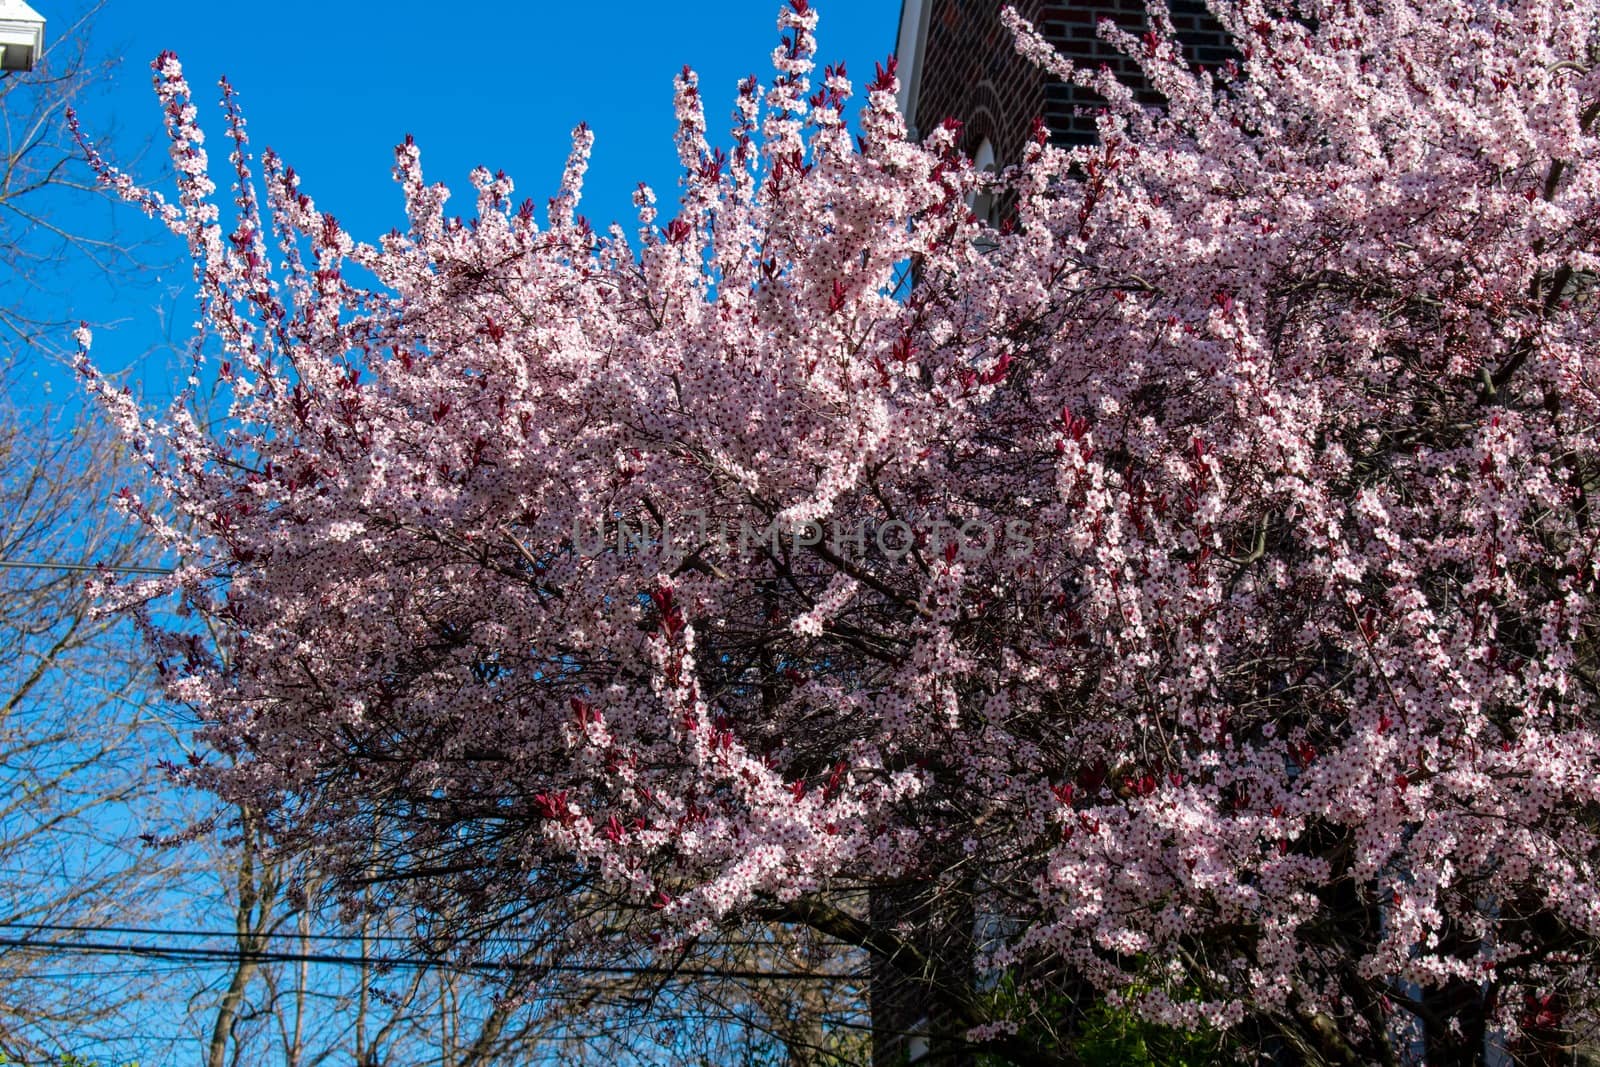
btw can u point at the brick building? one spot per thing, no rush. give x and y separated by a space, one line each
957 60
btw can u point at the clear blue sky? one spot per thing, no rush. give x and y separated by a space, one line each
333 86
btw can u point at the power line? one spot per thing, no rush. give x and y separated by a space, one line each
243 955
156 931
51 565
285 935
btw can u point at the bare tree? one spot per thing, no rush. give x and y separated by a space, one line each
75 716
304 982
305 986
78 717
57 225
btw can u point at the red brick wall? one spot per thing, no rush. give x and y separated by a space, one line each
970 70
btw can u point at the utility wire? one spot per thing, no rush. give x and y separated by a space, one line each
156 931
284 935
51 565
241 955
295 935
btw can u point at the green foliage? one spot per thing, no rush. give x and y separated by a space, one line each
1108 1036
1115 1037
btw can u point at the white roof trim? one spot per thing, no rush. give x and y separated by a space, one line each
21 35
909 49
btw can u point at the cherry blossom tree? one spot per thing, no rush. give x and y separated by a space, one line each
1194 574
